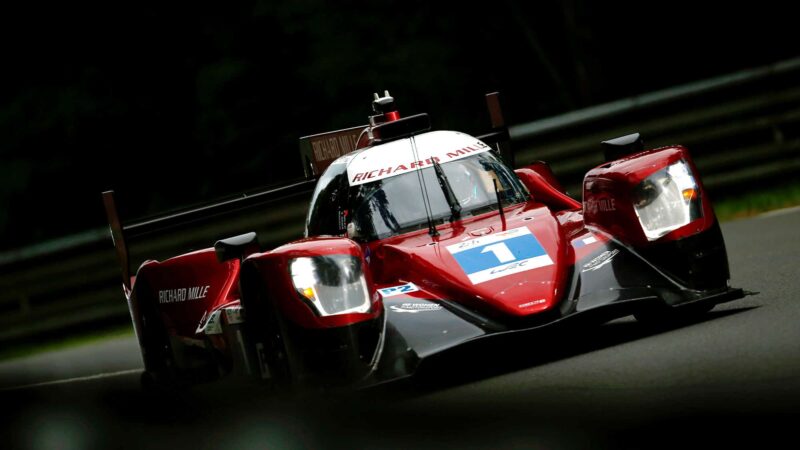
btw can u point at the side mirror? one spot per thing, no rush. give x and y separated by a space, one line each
544 170
544 188
622 146
237 247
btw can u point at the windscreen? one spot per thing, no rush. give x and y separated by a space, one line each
396 205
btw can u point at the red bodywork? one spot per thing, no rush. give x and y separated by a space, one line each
273 268
356 311
418 258
555 219
607 190
186 289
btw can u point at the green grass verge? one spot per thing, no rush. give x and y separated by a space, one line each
24 349
757 202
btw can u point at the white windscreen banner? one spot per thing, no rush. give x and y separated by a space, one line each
396 158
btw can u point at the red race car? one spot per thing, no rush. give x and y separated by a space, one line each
420 242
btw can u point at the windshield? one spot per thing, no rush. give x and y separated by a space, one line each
395 205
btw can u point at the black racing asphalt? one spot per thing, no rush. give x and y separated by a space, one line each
731 379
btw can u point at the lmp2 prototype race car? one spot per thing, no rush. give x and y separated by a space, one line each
421 242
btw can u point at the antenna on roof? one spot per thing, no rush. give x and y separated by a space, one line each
385 109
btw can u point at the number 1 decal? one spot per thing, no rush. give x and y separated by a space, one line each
501 252
499 255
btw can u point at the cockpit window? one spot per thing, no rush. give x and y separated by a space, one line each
396 205
328 210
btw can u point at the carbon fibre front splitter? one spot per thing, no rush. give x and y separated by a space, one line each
436 333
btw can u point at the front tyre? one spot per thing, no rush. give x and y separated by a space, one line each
265 328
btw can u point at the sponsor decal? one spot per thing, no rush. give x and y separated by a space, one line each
384 172
605 204
600 260
182 294
233 315
333 145
413 308
578 243
210 324
499 255
398 290
397 158
533 303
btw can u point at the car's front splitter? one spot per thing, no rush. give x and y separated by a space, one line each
422 333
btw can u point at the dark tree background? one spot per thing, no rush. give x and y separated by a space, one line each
172 105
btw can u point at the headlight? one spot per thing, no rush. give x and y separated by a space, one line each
667 200
333 284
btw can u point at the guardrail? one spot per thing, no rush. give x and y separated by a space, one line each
741 128
77 282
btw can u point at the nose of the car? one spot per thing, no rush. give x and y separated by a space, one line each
516 271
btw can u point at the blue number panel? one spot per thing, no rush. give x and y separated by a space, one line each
500 254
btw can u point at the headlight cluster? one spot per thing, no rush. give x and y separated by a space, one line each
667 200
332 284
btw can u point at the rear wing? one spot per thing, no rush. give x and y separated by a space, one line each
318 151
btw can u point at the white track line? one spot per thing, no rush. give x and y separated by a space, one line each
73 380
